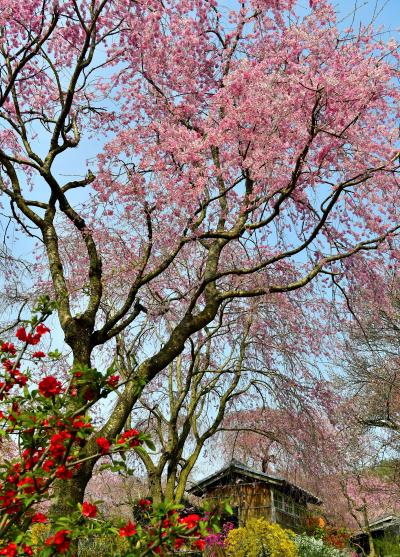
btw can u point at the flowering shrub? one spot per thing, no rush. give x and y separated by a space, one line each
309 546
259 538
215 541
36 416
317 527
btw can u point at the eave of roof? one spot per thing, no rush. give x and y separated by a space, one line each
200 487
381 523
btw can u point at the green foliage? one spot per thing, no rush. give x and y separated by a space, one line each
102 546
259 538
388 547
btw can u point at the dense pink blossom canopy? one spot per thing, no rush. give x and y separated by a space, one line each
265 129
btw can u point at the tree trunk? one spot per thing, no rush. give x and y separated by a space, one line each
155 488
68 493
372 552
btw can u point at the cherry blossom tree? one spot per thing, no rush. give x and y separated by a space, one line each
235 156
370 353
339 459
251 354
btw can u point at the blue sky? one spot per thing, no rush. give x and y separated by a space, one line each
387 11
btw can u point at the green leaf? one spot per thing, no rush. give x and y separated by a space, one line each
54 354
227 508
150 444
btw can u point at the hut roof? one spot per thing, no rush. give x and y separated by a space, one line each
380 524
384 522
238 469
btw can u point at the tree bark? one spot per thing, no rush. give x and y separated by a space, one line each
155 488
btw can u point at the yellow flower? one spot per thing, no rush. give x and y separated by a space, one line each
260 538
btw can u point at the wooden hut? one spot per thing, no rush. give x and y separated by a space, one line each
384 528
254 494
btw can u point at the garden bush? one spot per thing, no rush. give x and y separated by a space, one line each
309 546
388 547
259 538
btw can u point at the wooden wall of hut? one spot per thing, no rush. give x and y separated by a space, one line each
249 500
253 500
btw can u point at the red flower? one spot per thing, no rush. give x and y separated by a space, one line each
57 448
128 530
89 510
8 365
27 485
49 387
61 541
21 334
63 473
144 503
113 380
38 354
131 436
179 542
13 478
199 544
10 550
41 329
79 423
103 444
33 339
190 521
8 347
39 518
48 465
9 502
27 550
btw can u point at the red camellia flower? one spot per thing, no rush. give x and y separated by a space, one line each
190 521
199 544
89 510
60 541
48 464
21 334
63 473
131 436
8 347
128 530
38 354
27 485
33 339
49 387
79 423
10 550
57 447
113 380
179 542
41 329
103 444
39 518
